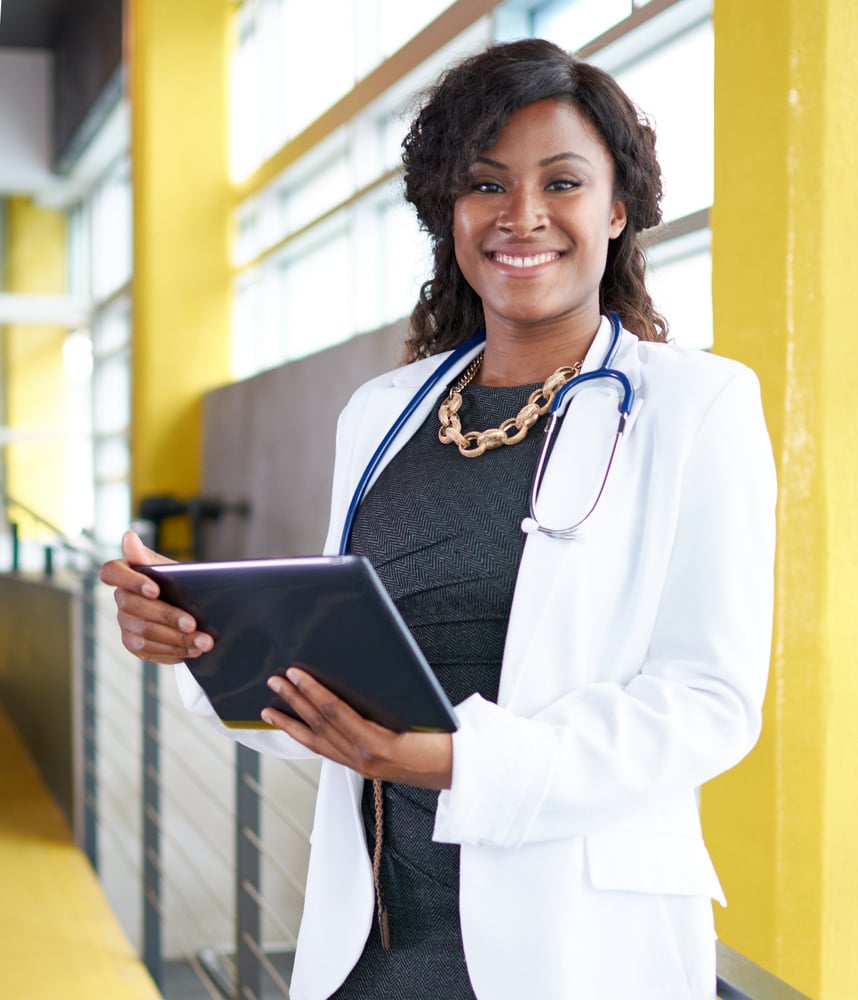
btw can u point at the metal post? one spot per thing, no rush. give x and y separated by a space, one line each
88 719
152 954
247 881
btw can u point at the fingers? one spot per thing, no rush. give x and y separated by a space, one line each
334 730
155 630
136 552
150 628
118 572
328 725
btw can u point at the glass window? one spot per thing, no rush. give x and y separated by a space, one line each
407 254
318 72
317 291
111 232
328 264
111 393
675 87
680 282
112 511
574 24
283 78
398 22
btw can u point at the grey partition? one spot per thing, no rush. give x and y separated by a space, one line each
269 442
37 677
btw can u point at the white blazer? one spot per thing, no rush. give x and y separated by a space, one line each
634 670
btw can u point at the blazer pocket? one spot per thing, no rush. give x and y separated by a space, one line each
661 863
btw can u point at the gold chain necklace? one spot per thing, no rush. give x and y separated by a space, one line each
472 444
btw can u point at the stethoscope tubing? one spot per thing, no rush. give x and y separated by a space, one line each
558 408
363 483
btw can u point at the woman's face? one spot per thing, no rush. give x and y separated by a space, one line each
531 231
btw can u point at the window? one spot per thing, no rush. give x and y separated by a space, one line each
664 60
100 266
329 248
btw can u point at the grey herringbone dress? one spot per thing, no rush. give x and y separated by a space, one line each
443 532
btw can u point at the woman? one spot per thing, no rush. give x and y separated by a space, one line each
551 847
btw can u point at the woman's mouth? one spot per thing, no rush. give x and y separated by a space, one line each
522 261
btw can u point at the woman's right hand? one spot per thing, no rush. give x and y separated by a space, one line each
151 628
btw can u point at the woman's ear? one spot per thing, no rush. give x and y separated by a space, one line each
619 217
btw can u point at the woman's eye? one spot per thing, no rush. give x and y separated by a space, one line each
564 184
486 187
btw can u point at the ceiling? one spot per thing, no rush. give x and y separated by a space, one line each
31 24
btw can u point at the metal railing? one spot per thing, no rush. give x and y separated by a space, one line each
201 845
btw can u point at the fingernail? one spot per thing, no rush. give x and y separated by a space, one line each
150 590
268 718
203 642
275 684
293 675
186 624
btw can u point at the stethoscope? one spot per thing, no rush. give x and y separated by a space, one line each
559 406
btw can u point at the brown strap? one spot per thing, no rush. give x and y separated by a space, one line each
381 912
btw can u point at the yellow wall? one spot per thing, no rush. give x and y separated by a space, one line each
181 309
782 825
35 265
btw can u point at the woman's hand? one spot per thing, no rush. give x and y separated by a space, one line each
334 730
151 629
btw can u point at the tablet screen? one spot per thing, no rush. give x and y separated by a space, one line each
330 615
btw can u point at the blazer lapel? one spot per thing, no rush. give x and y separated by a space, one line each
570 486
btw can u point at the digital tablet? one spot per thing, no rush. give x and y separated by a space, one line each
329 615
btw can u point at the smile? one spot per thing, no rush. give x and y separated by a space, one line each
522 262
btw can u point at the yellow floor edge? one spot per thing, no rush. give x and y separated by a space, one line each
59 938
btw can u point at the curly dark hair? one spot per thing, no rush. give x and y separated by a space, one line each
463 115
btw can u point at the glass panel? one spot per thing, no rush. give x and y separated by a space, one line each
330 184
406 260
313 76
112 457
112 511
111 392
244 88
246 327
112 329
680 282
111 232
398 22
79 257
317 295
574 24
675 87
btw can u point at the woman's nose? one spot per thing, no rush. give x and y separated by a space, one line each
523 211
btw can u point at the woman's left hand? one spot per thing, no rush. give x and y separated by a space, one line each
334 730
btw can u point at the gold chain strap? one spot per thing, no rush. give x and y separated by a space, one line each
472 444
381 911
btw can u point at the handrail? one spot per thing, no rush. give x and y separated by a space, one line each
92 554
740 979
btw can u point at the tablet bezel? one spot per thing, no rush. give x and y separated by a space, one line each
218 594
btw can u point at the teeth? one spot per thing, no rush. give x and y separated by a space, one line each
540 258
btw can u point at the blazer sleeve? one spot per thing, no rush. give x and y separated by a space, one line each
606 751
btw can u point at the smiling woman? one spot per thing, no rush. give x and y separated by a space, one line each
531 239
550 847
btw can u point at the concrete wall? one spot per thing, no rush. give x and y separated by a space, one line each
37 676
269 441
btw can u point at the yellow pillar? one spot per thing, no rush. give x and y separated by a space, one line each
181 300
35 382
782 825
